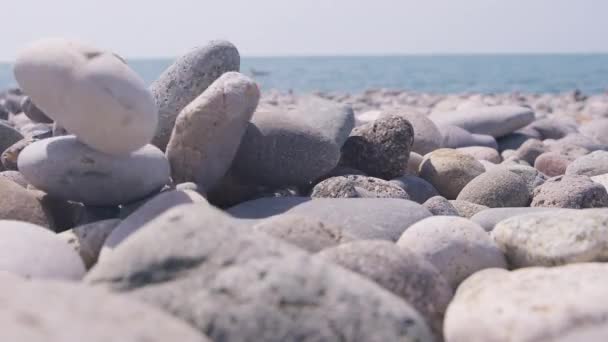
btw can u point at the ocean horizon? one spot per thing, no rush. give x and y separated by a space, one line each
470 73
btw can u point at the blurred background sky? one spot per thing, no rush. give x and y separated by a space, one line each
159 28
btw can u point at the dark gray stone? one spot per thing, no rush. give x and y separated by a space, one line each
34 113
277 151
417 188
427 136
381 148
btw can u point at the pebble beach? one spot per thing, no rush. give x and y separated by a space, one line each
204 208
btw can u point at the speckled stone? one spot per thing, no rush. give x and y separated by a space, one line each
564 303
380 149
567 191
467 209
357 187
440 206
592 164
427 136
186 79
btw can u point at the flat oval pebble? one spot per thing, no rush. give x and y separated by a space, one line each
186 79
31 251
363 218
455 137
68 169
456 246
488 218
496 121
90 92
50 311
357 187
554 238
400 271
536 304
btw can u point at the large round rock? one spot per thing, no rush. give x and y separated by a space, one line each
45 311
357 187
496 188
68 169
277 150
31 251
90 92
208 131
186 79
400 271
554 238
456 246
449 171
536 304
574 192
381 148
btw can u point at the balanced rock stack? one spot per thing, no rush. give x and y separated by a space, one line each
200 209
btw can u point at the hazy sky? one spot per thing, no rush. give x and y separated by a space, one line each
157 28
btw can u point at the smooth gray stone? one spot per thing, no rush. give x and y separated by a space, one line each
417 188
364 218
357 187
496 188
380 148
531 176
151 209
8 136
592 164
496 121
579 140
52 311
488 218
570 191
277 151
400 271
538 304
66 168
186 79
208 131
32 251
554 238
455 137
332 119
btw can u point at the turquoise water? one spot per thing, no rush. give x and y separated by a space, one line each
439 74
